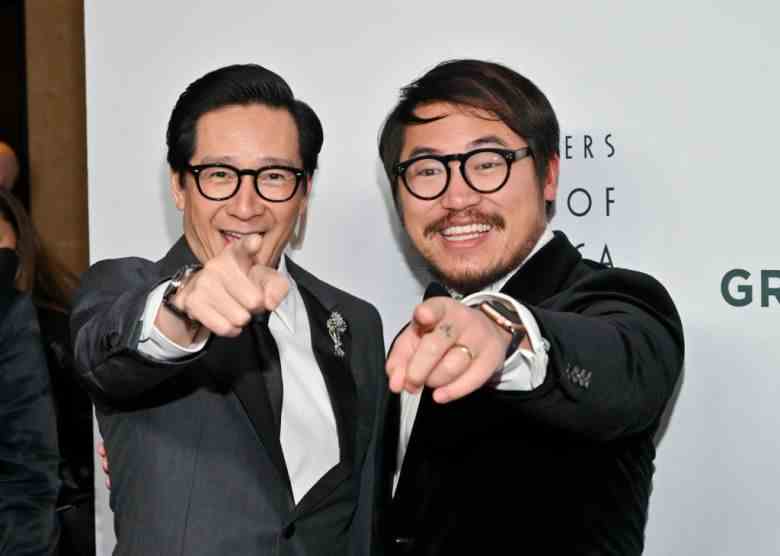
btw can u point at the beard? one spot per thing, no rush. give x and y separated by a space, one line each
468 281
464 280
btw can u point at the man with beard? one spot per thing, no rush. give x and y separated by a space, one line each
532 384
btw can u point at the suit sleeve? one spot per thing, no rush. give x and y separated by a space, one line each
616 353
106 323
29 457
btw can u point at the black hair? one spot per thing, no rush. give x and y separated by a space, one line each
493 88
240 84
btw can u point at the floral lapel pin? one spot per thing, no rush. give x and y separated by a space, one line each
337 326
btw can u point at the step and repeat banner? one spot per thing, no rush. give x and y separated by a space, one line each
669 145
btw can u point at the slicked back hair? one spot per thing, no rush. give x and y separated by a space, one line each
475 84
241 84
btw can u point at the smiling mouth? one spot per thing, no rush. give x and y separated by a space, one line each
237 236
465 226
465 232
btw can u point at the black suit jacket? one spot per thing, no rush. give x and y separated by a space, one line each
196 466
565 468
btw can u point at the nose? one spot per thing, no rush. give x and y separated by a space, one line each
459 194
246 203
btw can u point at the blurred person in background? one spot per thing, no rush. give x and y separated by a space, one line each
29 459
51 286
9 167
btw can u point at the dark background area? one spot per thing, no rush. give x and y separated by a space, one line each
13 90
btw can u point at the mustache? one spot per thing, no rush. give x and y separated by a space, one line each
474 216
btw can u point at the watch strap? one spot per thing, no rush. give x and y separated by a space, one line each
508 319
179 278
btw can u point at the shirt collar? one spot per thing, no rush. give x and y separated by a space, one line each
288 310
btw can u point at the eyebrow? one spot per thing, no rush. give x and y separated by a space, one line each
422 150
488 140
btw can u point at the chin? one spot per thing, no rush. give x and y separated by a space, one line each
469 278
469 281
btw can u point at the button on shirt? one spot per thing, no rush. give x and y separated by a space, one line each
308 435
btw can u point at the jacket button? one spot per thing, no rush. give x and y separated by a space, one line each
289 531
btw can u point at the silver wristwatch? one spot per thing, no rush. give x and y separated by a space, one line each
178 279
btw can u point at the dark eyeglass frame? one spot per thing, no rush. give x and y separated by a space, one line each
196 169
510 155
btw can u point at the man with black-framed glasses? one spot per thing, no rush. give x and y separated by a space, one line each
531 381
237 394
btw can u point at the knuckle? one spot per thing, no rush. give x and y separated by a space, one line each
231 331
256 300
449 367
277 286
241 319
431 348
221 329
414 379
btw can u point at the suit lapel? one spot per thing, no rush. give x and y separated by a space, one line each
335 369
339 381
538 279
234 364
544 273
177 256
246 381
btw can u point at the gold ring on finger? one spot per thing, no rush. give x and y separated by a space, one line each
465 350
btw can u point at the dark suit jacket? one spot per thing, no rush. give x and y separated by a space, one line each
196 467
29 459
567 467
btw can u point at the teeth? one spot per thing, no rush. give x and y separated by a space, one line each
239 235
470 230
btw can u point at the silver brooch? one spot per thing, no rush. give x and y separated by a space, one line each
336 328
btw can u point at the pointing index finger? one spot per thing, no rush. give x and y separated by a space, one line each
431 312
401 352
265 253
273 284
246 249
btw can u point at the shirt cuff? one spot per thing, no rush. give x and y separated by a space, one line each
152 342
525 369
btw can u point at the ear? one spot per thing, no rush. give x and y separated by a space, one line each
177 190
305 200
299 230
550 189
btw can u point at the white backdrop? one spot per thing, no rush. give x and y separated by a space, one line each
681 95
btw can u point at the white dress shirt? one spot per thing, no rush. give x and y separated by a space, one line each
308 435
524 370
